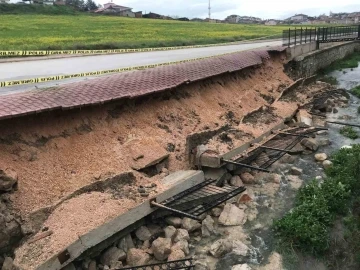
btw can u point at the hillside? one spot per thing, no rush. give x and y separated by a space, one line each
85 31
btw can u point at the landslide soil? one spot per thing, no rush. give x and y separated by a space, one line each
57 153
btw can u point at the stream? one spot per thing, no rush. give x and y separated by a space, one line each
270 207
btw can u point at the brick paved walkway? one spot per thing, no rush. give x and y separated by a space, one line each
126 85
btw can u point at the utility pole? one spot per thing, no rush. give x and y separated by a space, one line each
209 10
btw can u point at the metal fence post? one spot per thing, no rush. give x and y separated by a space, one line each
359 31
295 37
317 36
289 37
301 35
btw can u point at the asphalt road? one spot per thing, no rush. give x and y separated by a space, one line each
34 68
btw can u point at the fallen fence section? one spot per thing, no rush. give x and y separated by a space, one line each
173 265
271 151
197 200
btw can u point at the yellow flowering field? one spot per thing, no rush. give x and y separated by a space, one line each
31 32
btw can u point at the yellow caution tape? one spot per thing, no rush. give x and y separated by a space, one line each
89 52
97 73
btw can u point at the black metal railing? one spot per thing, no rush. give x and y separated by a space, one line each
298 36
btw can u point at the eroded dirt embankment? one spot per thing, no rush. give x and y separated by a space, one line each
57 153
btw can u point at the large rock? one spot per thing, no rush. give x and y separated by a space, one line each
174 221
296 171
181 234
92 265
239 248
126 243
320 157
236 181
220 248
247 178
137 257
207 227
183 245
143 233
112 255
216 212
70 266
288 159
176 254
155 230
8 264
161 248
170 231
190 225
201 265
310 144
232 216
243 267
8 179
327 164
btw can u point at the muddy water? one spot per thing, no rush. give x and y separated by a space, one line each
259 235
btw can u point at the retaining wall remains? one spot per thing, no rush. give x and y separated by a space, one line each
308 64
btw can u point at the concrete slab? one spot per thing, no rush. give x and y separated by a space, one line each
175 183
145 153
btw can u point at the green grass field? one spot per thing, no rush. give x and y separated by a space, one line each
38 32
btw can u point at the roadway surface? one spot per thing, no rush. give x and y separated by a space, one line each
10 71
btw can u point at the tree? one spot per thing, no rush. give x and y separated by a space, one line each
90 5
77 4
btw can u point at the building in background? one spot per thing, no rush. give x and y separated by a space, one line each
112 8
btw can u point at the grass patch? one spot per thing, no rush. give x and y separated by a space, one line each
356 91
87 31
306 228
349 132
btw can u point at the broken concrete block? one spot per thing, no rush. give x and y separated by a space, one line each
161 248
145 152
304 117
232 216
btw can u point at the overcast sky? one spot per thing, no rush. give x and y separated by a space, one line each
265 9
